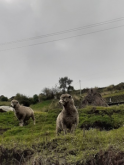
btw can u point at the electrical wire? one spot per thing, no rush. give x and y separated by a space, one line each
65 31
63 38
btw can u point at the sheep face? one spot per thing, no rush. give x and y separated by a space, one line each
65 99
14 103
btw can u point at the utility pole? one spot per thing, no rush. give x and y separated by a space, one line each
81 105
80 86
80 94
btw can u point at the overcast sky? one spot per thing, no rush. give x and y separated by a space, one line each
44 40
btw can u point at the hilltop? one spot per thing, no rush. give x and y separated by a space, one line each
99 137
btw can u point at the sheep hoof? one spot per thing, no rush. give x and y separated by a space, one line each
21 125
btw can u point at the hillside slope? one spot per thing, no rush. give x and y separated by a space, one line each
100 132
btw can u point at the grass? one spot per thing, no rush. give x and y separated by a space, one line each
102 117
5 103
43 144
114 94
41 105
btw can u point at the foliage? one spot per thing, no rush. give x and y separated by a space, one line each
35 99
3 98
115 96
24 100
102 117
110 88
48 93
65 84
120 86
56 91
70 88
100 133
113 87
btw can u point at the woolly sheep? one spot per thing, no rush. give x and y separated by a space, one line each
22 113
6 109
68 118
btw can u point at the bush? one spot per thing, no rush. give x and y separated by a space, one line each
3 98
24 100
102 117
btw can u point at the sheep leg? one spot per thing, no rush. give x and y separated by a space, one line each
73 128
64 129
58 131
21 123
33 118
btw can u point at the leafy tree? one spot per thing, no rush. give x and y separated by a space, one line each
70 88
23 99
48 93
3 98
120 86
41 97
65 83
109 88
35 99
56 91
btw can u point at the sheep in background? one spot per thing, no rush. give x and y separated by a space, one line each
68 118
6 109
22 113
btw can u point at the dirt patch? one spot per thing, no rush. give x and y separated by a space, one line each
40 157
98 125
109 157
14 156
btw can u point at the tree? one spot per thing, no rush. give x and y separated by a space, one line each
56 91
41 97
48 93
24 100
35 99
65 83
3 98
70 88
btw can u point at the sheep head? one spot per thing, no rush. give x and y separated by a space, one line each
65 99
14 103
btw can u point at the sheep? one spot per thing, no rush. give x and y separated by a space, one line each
68 118
6 109
22 113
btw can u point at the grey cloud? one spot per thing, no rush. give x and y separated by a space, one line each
96 59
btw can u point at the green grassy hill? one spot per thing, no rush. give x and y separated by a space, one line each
116 96
100 132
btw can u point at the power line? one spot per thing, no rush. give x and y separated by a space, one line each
63 38
65 31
